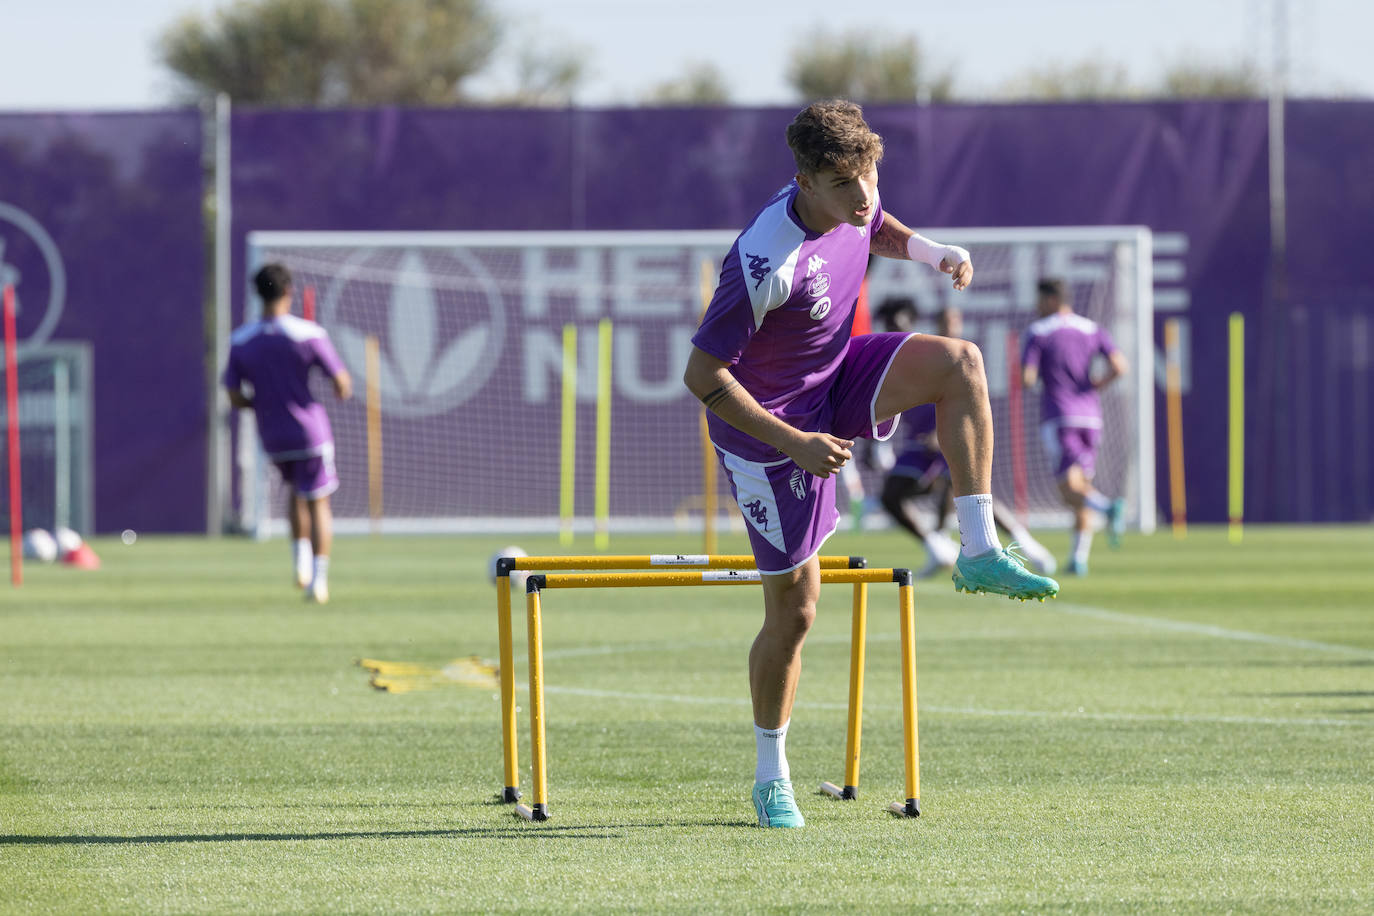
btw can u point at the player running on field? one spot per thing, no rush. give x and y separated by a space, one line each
276 355
788 391
1060 350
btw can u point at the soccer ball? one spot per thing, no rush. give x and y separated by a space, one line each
517 578
40 545
67 540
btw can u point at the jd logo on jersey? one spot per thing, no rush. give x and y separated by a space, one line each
821 309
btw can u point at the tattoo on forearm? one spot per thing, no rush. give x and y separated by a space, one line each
711 399
888 242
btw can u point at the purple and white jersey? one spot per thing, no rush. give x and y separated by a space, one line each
1063 346
275 355
781 316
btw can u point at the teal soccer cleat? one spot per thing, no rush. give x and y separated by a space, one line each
776 805
1116 522
1001 572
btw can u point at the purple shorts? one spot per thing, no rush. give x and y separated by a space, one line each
788 512
1066 446
922 464
312 477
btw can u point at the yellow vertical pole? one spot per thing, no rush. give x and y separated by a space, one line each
708 451
372 368
1236 495
539 807
603 435
857 639
910 746
1173 390
568 462
506 673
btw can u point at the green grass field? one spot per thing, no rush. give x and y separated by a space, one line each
1190 729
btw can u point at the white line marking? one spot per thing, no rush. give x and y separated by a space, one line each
1206 629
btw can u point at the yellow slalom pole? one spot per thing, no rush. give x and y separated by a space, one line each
1236 496
538 810
372 368
857 639
1173 390
603 435
910 747
506 673
568 462
708 451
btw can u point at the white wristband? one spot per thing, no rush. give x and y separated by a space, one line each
924 250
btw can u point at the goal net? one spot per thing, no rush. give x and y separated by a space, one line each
461 337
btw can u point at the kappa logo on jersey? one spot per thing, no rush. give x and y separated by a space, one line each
821 309
758 268
798 483
819 286
814 263
759 513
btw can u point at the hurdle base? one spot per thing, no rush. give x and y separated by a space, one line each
533 813
848 793
510 794
912 808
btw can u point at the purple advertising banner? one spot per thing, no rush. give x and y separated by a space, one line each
101 237
1194 172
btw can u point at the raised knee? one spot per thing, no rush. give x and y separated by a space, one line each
968 358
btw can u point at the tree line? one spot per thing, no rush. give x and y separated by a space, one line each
427 52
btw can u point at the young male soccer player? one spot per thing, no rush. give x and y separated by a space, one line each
1060 349
788 391
275 355
920 469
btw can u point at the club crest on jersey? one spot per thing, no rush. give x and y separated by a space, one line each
798 483
819 286
821 309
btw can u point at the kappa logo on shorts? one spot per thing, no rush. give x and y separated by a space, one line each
759 513
821 309
798 483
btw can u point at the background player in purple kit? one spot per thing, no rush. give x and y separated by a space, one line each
275 355
788 391
1060 350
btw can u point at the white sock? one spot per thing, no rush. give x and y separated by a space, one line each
1082 543
321 571
302 548
977 532
771 746
1096 500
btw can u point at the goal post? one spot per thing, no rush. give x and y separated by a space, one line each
470 362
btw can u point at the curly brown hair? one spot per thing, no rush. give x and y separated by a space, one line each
832 135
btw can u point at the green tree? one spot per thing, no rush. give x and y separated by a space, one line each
333 52
701 84
854 67
1197 78
1086 80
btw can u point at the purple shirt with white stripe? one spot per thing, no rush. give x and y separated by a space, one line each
781 316
1063 346
276 355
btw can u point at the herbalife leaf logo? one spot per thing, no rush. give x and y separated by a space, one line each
437 317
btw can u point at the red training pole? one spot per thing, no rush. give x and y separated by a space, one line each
12 424
1020 498
308 303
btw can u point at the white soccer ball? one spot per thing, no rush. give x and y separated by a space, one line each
67 540
517 579
40 545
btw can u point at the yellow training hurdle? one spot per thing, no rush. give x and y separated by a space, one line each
711 570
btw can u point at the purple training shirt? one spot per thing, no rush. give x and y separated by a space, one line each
1063 346
781 316
275 355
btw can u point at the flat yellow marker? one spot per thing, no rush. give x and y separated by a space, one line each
404 677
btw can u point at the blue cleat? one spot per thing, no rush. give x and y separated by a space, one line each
776 805
1001 572
1116 522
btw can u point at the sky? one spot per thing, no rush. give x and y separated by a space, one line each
98 54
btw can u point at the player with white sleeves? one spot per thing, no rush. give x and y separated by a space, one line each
788 391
